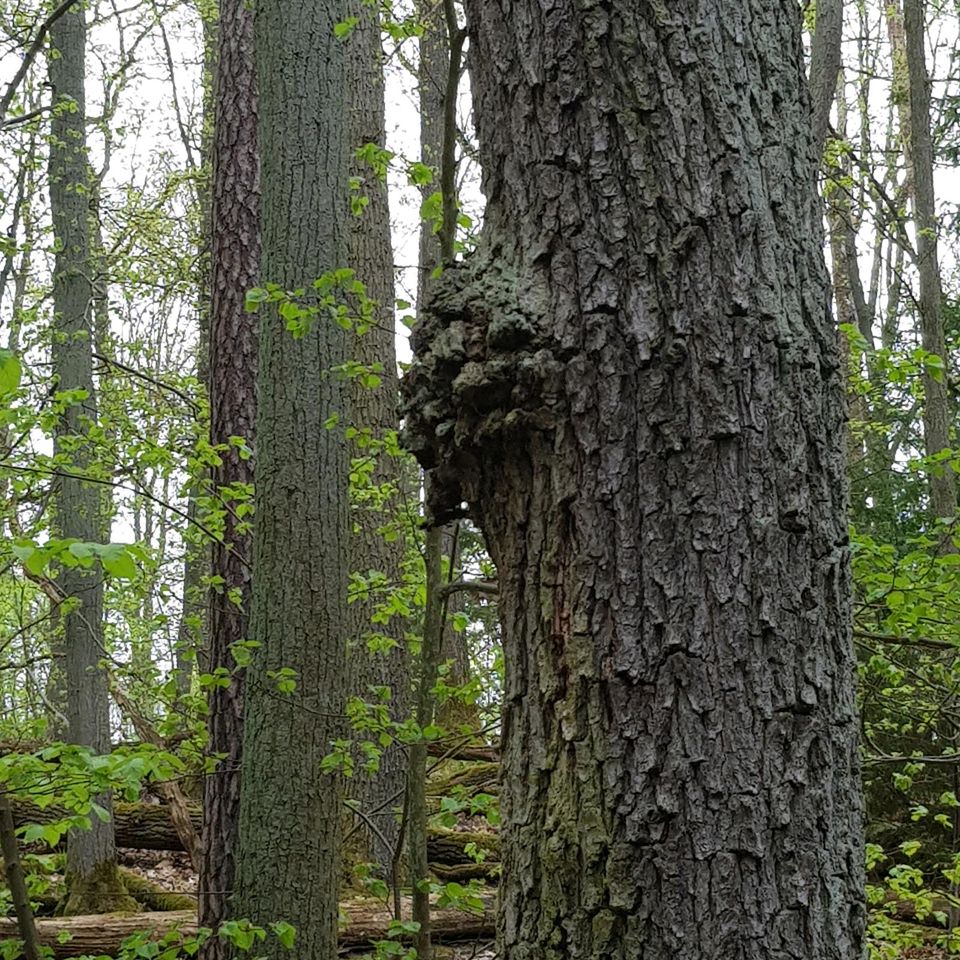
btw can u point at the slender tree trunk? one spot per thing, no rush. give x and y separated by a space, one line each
91 875
936 404
289 836
193 626
635 385
16 882
376 410
825 64
433 83
234 261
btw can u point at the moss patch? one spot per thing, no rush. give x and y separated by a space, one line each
100 891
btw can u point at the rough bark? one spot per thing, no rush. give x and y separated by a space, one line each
635 386
936 402
232 357
376 411
290 812
367 920
92 879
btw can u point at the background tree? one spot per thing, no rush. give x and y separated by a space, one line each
234 265
378 476
91 874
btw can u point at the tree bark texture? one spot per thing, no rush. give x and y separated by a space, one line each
635 386
375 410
367 920
936 403
290 812
232 358
92 880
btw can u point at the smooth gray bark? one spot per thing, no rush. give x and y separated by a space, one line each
635 386
936 402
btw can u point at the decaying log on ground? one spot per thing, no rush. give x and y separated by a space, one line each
441 748
141 826
477 778
488 871
146 826
437 748
449 846
100 934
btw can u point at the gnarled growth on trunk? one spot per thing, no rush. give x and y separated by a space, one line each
634 386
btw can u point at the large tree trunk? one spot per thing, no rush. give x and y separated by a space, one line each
376 411
234 262
290 812
635 385
92 879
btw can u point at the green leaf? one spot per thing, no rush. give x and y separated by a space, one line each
286 933
420 174
117 562
10 372
343 29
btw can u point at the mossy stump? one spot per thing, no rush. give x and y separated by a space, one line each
100 891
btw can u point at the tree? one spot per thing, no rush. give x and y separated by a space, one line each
93 882
374 412
635 386
232 358
290 814
437 82
919 149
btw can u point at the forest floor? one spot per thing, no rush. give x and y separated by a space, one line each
173 872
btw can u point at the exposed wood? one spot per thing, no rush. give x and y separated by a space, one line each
368 920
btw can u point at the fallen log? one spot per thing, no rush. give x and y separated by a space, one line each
147 826
141 826
103 933
440 748
449 846
436 748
